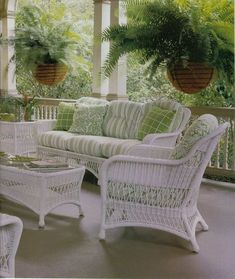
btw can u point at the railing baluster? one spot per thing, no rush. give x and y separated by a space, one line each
217 156
233 137
225 149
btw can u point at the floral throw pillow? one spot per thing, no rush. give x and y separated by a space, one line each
64 116
88 119
201 127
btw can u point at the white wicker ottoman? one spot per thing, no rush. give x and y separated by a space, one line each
42 192
10 233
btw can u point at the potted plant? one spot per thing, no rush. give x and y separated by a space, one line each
46 45
193 39
26 103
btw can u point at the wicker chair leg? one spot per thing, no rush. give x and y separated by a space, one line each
81 212
41 223
102 234
195 246
203 224
191 235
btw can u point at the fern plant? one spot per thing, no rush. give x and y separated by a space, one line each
168 32
44 38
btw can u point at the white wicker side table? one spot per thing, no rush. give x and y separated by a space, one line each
20 137
17 137
10 234
42 192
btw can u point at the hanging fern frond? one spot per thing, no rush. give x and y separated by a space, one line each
168 31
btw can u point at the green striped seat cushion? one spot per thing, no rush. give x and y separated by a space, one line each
201 127
99 146
88 119
122 119
157 120
86 144
64 116
117 146
54 139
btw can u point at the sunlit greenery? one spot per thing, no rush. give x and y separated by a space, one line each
139 85
78 14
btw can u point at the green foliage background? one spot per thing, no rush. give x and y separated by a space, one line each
140 86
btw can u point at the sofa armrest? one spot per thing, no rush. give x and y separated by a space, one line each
163 139
150 151
45 125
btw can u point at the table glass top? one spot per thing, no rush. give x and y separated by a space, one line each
32 163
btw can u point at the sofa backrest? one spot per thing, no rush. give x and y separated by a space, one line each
122 119
91 101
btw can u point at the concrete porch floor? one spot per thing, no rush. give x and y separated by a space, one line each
69 247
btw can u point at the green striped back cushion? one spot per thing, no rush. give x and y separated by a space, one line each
122 119
157 120
64 116
92 101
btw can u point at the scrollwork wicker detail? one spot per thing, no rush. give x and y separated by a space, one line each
139 194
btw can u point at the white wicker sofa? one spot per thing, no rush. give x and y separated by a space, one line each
120 127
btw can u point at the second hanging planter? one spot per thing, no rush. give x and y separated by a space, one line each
191 78
50 74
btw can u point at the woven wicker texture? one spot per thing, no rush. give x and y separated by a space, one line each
10 233
42 192
20 137
156 193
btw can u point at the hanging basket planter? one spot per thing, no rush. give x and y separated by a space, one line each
50 74
192 78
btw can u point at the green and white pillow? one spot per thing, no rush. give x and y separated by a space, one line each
88 119
157 120
201 127
64 116
10 117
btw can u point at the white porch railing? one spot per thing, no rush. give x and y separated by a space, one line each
223 159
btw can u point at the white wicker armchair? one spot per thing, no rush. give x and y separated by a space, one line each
156 193
10 233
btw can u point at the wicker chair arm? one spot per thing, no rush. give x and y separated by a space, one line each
163 139
138 170
150 151
7 220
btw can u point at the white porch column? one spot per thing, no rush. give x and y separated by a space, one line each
117 81
101 21
7 69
